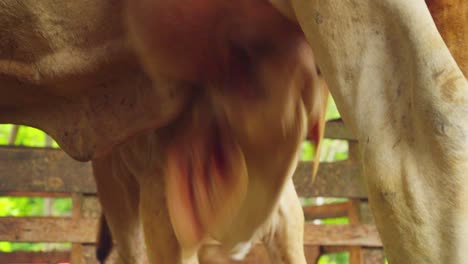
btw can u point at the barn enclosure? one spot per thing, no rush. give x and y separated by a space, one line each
47 172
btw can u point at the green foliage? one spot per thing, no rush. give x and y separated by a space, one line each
4 133
62 207
21 206
332 111
9 247
27 136
337 258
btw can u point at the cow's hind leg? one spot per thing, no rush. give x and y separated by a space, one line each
162 244
285 232
119 194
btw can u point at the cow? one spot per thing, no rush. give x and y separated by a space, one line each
212 152
402 94
222 169
67 67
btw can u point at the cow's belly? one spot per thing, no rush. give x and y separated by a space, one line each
61 48
67 68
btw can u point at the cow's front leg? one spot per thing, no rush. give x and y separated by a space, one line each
401 93
285 230
161 242
118 194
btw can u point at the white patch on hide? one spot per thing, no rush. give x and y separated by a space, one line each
241 250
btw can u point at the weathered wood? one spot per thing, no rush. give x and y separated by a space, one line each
48 170
334 179
43 170
373 256
215 255
333 249
335 129
77 199
50 257
355 252
210 254
312 254
63 229
86 254
369 255
47 229
342 235
35 194
78 254
90 207
325 211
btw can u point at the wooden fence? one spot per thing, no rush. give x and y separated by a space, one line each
51 173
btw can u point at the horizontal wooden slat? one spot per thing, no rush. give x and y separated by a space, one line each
209 254
342 235
258 254
335 129
36 194
47 229
333 249
334 179
51 257
47 170
62 229
43 170
326 211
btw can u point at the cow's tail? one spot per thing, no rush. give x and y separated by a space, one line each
103 241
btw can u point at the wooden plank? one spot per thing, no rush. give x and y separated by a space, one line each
342 235
355 253
209 254
258 254
77 254
43 170
369 255
47 170
86 255
313 212
51 257
335 129
333 249
90 207
373 256
47 229
36 194
63 229
334 179
312 254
